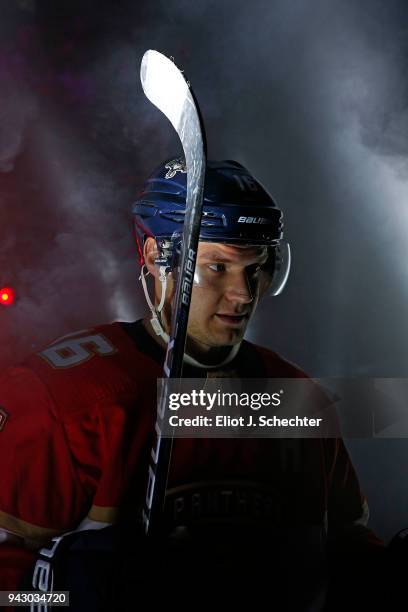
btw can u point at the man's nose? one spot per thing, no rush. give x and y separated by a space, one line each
239 289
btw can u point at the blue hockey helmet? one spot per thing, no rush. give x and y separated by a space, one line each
236 210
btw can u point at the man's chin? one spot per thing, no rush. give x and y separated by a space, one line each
228 337
218 340
216 335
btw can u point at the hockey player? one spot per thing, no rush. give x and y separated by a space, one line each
77 418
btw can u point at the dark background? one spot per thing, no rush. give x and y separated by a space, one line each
311 95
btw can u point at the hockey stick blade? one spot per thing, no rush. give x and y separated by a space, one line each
166 87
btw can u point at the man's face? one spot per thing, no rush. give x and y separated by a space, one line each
225 293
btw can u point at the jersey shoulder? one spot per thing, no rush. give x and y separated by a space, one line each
85 367
317 397
277 366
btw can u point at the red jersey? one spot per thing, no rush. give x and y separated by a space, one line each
76 430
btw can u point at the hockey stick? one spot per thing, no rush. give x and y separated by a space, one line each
165 86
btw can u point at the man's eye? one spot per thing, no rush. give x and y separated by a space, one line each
217 267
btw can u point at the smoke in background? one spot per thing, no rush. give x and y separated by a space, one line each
310 94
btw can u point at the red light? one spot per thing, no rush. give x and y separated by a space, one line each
6 296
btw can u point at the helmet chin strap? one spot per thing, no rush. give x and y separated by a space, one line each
157 326
155 320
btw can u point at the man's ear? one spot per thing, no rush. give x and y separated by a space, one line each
150 253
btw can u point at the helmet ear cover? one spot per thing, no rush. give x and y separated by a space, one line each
169 251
